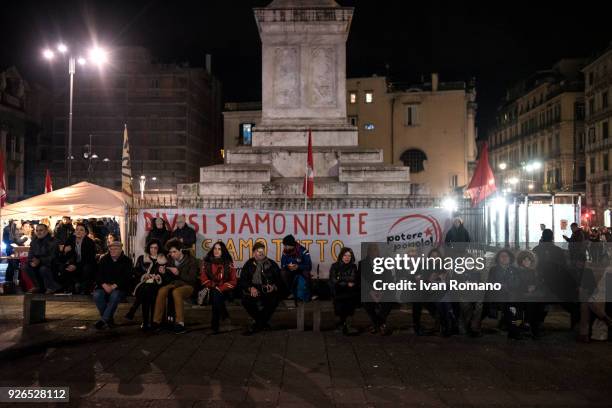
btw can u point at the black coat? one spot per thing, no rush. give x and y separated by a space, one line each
114 272
162 235
340 275
44 250
457 234
88 251
271 274
187 234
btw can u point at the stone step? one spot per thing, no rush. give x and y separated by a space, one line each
291 162
287 135
376 172
236 173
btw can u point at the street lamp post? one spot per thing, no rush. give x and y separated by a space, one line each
142 182
98 56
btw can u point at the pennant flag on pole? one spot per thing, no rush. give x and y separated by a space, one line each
483 181
308 188
48 183
2 181
126 166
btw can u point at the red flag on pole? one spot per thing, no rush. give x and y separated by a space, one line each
48 183
308 188
483 181
2 181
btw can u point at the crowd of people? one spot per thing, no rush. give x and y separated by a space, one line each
86 256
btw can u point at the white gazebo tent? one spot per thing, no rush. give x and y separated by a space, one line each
81 200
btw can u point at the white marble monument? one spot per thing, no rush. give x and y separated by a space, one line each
303 87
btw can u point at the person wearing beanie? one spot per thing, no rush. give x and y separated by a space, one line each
295 265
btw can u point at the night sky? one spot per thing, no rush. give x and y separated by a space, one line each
497 43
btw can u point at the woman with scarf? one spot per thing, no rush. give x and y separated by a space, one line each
150 273
159 231
219 276
343 281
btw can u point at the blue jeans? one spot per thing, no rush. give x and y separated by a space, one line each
107 303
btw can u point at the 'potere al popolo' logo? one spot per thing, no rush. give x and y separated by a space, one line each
416 230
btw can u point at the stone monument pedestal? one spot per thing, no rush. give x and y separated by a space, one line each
303 89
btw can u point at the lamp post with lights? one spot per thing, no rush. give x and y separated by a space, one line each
96 55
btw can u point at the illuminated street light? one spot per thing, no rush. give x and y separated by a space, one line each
513 180
530 186
502 166
98 55
449 204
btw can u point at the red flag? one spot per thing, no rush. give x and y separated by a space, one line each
308 187
48 183
2 181
483 181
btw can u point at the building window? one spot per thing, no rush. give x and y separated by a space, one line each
605 130
353 120
454 181
352 97
604 161
412 115
155 83
12 182
590 79
592 165
579 111
369 96
246 134
605 190
368 126
604 100
591 135
414 158
591 106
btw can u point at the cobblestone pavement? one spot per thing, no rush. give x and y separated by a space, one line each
283 367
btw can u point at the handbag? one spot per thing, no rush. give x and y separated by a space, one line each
204 297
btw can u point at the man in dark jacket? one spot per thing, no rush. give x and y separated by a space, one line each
259 281
295 262
558 284
78 269
111 283
457 233
40 261
64 231
184 232
184 270
577 244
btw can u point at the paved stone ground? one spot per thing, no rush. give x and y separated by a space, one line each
282 367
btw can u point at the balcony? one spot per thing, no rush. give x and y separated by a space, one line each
599 176
598 145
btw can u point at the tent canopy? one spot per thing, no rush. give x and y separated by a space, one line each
77 201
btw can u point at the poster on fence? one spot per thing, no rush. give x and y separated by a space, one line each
323 232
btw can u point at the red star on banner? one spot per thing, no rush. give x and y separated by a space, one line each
428 232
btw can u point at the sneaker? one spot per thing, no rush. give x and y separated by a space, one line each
385 330
145 327
33 290
49 292
179 329
101 325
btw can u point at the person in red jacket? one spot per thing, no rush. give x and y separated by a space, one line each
219 276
